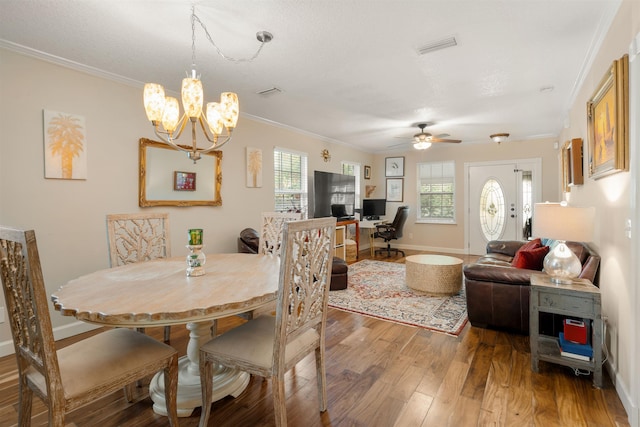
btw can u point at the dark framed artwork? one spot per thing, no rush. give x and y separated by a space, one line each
184 181
394 166
367 172
608 122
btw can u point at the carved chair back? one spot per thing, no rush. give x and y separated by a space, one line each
138 237
271 231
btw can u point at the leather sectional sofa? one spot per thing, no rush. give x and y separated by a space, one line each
498 293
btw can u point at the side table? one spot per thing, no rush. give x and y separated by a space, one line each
579 299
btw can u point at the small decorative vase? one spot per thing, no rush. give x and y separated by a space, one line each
195 261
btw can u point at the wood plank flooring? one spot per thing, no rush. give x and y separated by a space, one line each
380 374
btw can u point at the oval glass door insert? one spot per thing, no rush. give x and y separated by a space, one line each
492 210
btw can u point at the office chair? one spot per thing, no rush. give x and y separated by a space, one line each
392 231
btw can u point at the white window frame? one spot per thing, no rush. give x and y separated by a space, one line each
303 192
436 172
355 168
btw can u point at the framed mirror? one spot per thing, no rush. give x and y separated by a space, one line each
168 178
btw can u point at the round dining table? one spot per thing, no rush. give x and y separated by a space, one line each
159 293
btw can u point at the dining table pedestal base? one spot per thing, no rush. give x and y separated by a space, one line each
226 381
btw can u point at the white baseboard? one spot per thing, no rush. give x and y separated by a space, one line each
66 331
421 248
633 412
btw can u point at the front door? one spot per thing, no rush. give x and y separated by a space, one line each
500 200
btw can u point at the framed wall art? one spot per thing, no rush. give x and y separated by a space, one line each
395 189
608 122
254 167
394 166
65 145
184 181
367 172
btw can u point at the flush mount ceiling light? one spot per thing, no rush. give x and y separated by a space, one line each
499 137
221 117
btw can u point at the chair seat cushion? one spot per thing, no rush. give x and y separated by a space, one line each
252 343
103 359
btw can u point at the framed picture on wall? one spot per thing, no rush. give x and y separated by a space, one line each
395 189
608 122
394 166
184 181
367 172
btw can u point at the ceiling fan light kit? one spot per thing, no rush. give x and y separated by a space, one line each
499 137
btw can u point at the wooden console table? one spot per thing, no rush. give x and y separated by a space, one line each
579 299
357 224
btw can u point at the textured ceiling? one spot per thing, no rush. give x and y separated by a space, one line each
349 71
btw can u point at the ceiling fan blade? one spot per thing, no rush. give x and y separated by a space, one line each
445 140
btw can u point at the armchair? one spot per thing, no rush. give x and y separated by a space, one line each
392 231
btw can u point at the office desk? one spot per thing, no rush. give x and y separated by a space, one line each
371 226
158 293
357 224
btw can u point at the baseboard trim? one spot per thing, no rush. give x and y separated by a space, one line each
633 412
421 248
61 332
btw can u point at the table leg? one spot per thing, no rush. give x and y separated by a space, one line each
225 381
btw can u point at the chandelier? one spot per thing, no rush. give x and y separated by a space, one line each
219 119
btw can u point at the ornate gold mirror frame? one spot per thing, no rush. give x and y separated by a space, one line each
168 178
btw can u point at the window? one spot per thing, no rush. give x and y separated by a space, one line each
290 173
353 169
436 192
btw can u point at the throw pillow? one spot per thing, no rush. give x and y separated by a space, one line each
532 259
531 244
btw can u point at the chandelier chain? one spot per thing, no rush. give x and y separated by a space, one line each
195 18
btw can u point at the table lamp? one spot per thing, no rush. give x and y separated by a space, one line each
561 222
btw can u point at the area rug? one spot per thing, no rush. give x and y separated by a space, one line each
378 289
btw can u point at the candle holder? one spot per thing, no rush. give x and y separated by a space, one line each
195 261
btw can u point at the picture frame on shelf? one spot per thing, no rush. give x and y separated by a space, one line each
395 189
394 166
608 122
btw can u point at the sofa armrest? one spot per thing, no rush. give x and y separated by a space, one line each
498 274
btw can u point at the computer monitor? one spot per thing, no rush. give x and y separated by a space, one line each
374 208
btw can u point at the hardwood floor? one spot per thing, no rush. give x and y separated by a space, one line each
380 374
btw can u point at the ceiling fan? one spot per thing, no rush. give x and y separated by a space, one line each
423 140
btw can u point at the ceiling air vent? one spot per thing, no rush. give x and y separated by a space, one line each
270 91
437 45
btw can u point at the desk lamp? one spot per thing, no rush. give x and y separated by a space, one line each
562 222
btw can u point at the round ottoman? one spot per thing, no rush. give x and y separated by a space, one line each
434 274
339 270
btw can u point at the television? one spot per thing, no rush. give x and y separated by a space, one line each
374 208
334 194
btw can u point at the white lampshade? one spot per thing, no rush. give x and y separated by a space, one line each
561 222
230 109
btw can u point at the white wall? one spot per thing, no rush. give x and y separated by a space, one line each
613 199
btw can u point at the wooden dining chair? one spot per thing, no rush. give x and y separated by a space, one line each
139 237
271 230
81 372
269 346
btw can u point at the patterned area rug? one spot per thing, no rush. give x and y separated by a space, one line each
378 289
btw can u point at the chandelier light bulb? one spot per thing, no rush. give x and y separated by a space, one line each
171 114
154 101
214 118
192 95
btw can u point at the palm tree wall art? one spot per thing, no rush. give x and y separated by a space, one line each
254 167
64 146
